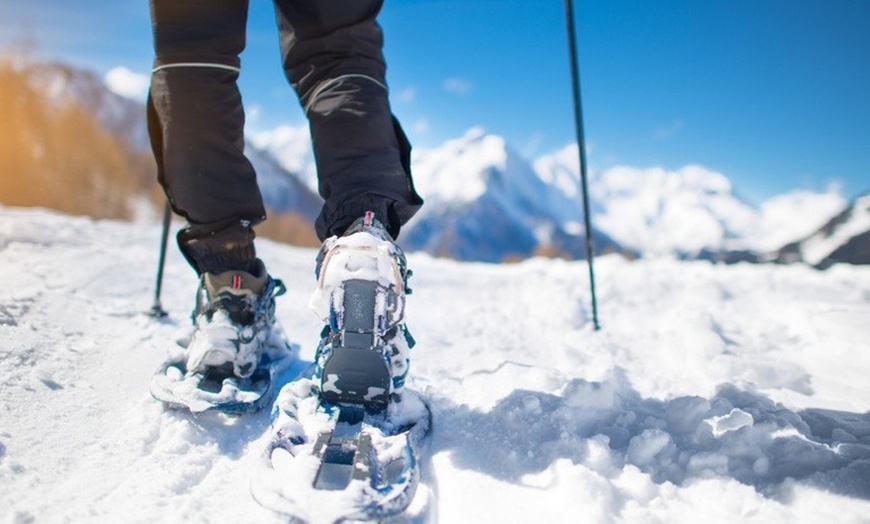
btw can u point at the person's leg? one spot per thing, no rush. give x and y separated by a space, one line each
196 124
332 55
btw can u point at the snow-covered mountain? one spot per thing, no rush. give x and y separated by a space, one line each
485 202
660 212
687 212
793 215
845 238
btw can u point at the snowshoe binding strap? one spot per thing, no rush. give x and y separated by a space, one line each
355 370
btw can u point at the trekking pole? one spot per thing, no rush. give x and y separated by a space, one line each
157 310
581 144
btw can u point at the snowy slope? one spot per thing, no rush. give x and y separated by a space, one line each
713 393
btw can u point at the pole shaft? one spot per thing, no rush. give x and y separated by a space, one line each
581 145
156 309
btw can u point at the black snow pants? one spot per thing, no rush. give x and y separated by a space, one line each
332 56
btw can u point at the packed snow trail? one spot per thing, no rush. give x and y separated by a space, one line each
713 392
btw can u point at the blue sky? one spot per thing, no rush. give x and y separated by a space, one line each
773 93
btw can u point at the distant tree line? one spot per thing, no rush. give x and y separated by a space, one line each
56 155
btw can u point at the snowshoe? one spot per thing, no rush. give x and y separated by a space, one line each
346 444
329 462
236 348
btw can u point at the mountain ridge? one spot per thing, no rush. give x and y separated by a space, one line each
486 202
845 238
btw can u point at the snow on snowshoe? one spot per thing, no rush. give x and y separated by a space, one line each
344 462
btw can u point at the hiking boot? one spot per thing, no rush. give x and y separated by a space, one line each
363 356
234 319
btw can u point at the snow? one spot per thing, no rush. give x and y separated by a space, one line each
715 393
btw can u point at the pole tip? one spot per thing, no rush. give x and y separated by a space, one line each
157 311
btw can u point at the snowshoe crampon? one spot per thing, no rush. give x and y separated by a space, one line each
344 462
218 389
214 390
